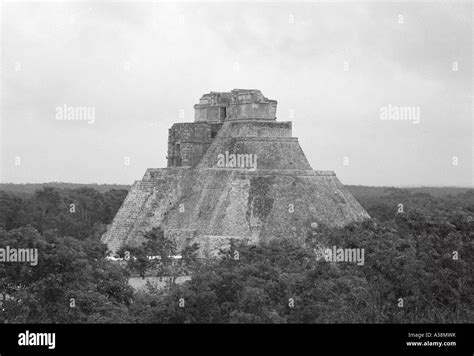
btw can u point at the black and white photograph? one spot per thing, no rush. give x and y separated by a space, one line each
174 173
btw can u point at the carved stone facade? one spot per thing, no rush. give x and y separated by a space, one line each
239 104
188 142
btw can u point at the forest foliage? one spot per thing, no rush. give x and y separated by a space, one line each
418 267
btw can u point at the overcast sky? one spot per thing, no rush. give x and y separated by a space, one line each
333 67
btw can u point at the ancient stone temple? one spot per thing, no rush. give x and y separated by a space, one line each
233 173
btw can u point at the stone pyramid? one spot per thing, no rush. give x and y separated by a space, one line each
235 172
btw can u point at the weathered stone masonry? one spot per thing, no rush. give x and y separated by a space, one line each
188 142
194 200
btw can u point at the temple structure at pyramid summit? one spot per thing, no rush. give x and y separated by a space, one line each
234 173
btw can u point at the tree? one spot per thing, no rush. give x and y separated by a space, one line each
158 255
72 281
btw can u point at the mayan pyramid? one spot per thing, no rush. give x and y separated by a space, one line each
235 172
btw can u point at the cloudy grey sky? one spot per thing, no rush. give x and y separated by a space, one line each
332 66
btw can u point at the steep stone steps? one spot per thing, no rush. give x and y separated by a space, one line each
127 215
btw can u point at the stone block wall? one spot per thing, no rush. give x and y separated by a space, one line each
259 128
188 142
212 113
212 107
239 104
243 111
